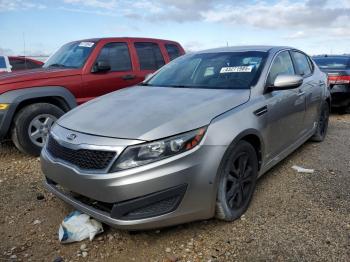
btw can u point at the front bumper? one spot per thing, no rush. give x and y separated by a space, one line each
340 95
193 172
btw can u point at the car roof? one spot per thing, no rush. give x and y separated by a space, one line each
125 38
331 56
262 48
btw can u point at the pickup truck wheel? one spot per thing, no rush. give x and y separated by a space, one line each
322 125
237 179
32 125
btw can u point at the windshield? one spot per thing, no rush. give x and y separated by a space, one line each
224 70
71 55
333 62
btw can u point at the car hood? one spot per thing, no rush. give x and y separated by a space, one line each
36 74
150 113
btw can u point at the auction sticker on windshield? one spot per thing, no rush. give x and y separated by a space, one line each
236 69
86 44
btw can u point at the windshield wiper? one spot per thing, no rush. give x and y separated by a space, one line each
144 84
57 65
178 86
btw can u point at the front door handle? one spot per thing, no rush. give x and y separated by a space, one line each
129 77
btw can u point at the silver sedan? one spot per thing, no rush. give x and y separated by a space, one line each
190 142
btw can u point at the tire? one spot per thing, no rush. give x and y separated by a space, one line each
347 110
31 125
237 181
322 125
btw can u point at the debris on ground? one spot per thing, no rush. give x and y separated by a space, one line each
300 169
36 222
77 227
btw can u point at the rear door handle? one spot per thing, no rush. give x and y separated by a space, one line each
129 77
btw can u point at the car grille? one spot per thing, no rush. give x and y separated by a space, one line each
82 158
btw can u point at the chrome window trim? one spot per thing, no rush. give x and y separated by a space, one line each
308 58
272 61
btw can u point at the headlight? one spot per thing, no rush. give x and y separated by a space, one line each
4 106
143 154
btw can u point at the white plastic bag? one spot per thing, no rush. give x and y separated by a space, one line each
77 227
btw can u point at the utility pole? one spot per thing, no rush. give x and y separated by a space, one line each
24 50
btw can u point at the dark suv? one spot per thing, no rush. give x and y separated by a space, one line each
337 68
32 100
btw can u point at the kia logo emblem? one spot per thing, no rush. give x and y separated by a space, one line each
71 137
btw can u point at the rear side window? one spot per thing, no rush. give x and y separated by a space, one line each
21 64
173 51
117 55
150 56
32 65
17 64
2 62
282 65
302 63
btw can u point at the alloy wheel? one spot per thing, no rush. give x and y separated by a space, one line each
324 121
39 128
239 181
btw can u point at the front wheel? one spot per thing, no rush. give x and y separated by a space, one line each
322 125
32 125
237 179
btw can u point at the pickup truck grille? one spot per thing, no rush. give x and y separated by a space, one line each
81 158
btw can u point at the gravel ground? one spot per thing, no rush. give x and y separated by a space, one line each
293 216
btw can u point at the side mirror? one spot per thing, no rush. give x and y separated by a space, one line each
284 82
101 66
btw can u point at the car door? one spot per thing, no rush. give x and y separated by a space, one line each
149 57
285 108
311 87
120 75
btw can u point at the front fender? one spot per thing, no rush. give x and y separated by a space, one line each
15 97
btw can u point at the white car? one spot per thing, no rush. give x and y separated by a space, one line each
5 64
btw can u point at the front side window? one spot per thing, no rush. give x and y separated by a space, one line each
173 51
150 56
71 55
302 63
117 56
225 70
282 65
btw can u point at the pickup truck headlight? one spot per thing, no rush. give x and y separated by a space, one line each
4 106
146 153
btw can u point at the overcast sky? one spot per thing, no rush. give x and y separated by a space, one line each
315 26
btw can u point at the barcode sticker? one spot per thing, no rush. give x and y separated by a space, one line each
237 69
86 44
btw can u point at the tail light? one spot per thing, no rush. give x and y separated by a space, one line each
338 80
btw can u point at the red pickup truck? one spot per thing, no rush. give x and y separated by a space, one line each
32 100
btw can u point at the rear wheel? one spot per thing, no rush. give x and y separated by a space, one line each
322 125
32 125
238 174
